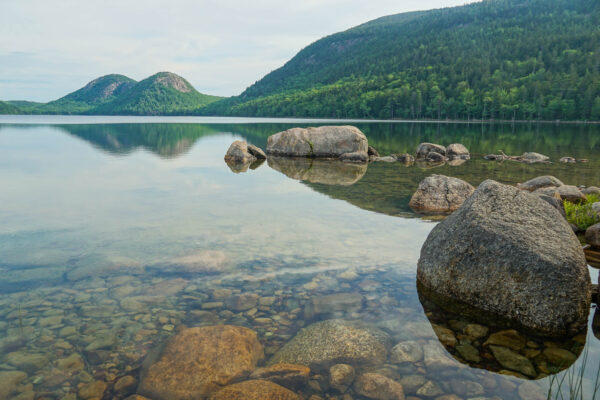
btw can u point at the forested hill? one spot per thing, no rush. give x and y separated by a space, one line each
502 59
164 93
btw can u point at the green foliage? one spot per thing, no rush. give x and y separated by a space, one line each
502 59
7 108
582 215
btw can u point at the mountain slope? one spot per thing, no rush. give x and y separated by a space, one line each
99 91
7 108
162 93
526 59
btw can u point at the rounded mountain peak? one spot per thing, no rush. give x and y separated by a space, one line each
173 81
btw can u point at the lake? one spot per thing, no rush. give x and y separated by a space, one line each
116 232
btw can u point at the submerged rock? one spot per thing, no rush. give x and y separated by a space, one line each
238 153
324 141
510 253
198 361
255 390
379 387
328 172
440 194
424 149
328 304
10 381
206 261
324 344
513 361
540 182
341 376
287 375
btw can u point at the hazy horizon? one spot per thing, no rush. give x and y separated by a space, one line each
50 49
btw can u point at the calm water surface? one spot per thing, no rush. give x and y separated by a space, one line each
114 235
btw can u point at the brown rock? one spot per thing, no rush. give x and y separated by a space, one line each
376 386
238 153
125 385
509 338
424 149
92 390
255 390
10 380
242 302
287 375
256 152
592 235
197 361
341 376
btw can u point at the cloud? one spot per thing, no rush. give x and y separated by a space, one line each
52 47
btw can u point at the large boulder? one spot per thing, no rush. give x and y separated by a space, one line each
198 361
509 252
324 141
238 153
255 390
457 151
424 149
326 343
440 194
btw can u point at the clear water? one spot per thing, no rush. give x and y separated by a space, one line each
116 232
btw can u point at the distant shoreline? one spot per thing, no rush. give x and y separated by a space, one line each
62 118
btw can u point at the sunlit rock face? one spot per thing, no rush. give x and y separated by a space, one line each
329 172
484 340
510 253
324 141
199 361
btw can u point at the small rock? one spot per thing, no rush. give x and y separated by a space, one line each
238 153
508 338
430 389
476 331
591 190
10 381
411 383
571 193
457 150
71 364
435 157
468 352
468 389
438 193
445 335
406 352
513 361
125 385
345 301
255 390
290 376
592 235
436 358
28 362
379 387
568 160
242 302
388 159
424 149
559 357
532 157
341 376
540 182
256 152
93 390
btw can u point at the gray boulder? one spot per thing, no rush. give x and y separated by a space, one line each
596 207
591 190
324 141
440 194
510 253
326 343
540 182
592 235
424 149
238 153
571 193
457 151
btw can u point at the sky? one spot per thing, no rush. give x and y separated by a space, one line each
49 48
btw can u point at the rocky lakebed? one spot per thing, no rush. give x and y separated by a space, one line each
477 289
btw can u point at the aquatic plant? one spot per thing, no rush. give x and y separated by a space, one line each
569 385
582 215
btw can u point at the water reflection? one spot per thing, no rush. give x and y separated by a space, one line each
326 172
482 340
